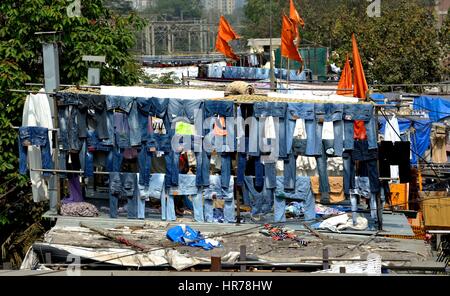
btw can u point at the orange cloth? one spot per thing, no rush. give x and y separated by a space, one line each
226 31
219 127
223 47
399 195
359 130
336 188
346 81
225 35
296 18
360 88
288 48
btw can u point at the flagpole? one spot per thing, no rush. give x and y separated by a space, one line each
288 72
272 71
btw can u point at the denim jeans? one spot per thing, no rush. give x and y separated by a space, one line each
369 158
94 145
349 172
276 110
167 207
185 111
227 194
97 104
242 166
130 114
156 189
123 185
150 107
270 175
69 120
322 167
213 110
331 113
302 111
187 187
37 136
145 164
362 112
302 191
290 171
260 202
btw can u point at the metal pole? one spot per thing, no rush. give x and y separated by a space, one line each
52 80
272 70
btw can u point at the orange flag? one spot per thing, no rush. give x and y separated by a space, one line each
361 88
225 35
288 48
346 81
226 31
294 16
223 47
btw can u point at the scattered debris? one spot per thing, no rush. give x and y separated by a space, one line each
279 234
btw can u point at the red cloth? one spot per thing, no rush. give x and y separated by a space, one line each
359 132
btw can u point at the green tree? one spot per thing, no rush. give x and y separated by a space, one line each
97 32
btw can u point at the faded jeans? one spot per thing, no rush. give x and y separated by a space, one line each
302 111
362 112
216 190
187 187
302 191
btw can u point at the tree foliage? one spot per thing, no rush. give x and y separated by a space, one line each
97 32
400 46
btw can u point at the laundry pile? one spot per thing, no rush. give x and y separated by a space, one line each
281 233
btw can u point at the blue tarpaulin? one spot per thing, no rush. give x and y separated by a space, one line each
185 235
437 107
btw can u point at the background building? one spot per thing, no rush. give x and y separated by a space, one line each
223 6
143 4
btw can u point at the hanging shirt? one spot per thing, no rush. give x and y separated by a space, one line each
392 133
392 130
183 128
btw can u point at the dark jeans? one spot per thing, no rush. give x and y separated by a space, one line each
69 119
322 167
97 104
123 185
36 136
369 158
95 146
